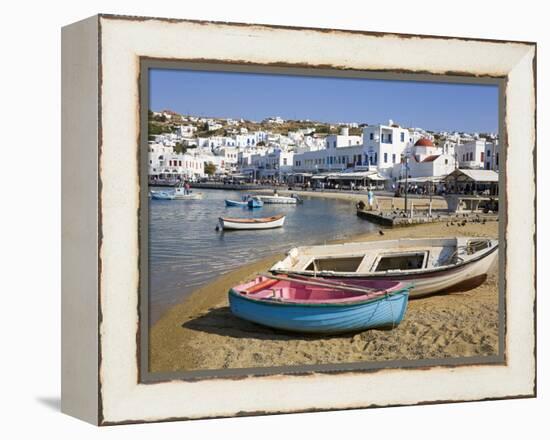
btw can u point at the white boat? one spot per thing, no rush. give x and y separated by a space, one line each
181 194
277 199
275 221
162 195
430 264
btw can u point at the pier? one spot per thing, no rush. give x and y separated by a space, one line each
399 219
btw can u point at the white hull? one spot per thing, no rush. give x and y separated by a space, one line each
434 275
192 196
280 200
228 224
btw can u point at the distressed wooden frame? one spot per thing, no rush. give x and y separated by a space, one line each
101 380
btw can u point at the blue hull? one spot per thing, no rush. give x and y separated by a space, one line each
234 203
386 311
255 204
162 196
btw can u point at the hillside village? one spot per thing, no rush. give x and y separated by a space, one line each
274 150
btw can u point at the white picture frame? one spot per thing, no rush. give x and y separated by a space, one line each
101 378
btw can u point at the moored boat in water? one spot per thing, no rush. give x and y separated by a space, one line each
430 264
255 202
231 203
277 199
182 193
162 195
235 223
318 305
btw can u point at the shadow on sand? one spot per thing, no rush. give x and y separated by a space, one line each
222 322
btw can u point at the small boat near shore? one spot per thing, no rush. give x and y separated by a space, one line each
180 193
234 223
430 264
162 195
231 203
318 305
279 200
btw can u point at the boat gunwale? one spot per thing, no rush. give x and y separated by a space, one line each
257 220
379 297
418 273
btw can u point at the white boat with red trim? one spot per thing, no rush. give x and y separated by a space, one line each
429 264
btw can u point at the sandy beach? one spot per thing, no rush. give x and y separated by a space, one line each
201 333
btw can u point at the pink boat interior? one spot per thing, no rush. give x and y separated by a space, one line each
300 292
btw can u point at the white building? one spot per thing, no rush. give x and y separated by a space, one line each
274 120
186 130
342 140
478 154
171 165
384 145
229 155
267 163
492 153
428 160
380 148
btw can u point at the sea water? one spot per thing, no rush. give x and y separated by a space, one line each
186 252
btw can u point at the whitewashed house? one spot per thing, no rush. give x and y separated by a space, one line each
384 145
428 160
492 153
379 148
186 131
173 166
478 154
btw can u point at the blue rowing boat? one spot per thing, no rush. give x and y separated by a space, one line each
318 305
235 203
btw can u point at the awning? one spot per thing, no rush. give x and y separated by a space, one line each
369 175
427 179
479 176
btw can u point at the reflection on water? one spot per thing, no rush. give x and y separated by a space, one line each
185 251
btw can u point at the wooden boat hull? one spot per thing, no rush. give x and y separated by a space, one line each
234 224
446 278
279 200
382 312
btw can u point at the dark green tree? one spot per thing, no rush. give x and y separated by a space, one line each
209 168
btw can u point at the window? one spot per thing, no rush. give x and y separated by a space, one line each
402 138
446 161
385 157
389 138
488 154
375 158
393 157
284 161
334 144
371 136
496 160
482 157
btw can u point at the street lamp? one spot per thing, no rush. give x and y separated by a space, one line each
405 160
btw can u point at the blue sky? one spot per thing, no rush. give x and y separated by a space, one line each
433 106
